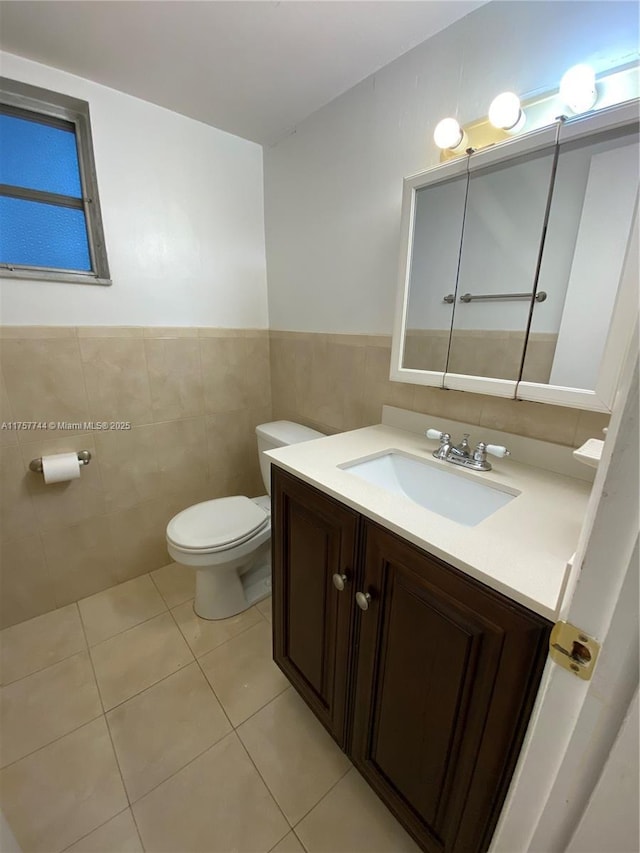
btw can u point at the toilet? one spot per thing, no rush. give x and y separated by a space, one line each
228 540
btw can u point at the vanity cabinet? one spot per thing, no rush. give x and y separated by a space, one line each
429 689
447 671
314 538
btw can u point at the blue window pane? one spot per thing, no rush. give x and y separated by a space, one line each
38 157
43 235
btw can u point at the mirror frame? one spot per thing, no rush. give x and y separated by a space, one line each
625 310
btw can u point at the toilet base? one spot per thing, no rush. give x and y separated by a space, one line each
224 593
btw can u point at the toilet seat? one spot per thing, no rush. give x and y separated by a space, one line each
217 525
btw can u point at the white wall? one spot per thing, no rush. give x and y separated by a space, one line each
183 212
605 225
333 188
610 821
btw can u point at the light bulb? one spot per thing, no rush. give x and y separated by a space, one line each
505 112
578 88
448 134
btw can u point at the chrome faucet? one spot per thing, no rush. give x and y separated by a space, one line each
460 454
445 443
462 450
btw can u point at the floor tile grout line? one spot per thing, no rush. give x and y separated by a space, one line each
124 630
131 629
155 684
291 832
148 687
160 593
204 675
233 728
180 769
103 715
87 645
324 796
179 603
51 742
106 723
298 837
87 834
44 668
257 606
264 782
138 692
292 826
262 707
224 642
168 609
66 657
135 823
131 580
175 773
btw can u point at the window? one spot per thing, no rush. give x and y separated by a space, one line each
50 222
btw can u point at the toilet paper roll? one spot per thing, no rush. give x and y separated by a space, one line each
61 467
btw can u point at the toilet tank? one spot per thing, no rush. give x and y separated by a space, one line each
280 434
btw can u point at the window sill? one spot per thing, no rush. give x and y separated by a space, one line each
65 276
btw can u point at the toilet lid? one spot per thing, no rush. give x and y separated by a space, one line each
216 524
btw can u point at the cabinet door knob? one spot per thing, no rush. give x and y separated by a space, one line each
362 600
339 581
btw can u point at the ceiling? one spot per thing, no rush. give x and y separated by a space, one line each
255 68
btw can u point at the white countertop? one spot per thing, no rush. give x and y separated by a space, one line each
522 550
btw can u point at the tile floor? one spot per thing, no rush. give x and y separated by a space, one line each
130 724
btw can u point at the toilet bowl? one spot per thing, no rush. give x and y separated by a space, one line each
228 540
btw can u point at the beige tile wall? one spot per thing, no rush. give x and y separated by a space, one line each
193 397
338 382
481 352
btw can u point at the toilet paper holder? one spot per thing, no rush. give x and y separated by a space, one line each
84 457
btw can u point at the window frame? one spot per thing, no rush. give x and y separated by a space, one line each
22 97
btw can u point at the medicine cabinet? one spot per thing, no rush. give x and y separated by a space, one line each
519 265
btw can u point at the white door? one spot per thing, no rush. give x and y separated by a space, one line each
575 723
611 819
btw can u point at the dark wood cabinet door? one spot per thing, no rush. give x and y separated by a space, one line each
314 537
446 678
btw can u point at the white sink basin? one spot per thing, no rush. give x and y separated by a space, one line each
436 486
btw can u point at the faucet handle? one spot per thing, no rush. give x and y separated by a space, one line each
444 437
498 450
434 433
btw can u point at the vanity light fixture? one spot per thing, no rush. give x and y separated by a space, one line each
578 89
506 113
449 136
578 93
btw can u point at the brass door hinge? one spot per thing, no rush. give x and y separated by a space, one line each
574 650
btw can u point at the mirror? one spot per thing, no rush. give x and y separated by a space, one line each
503 226
512 261
590 220
439 217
